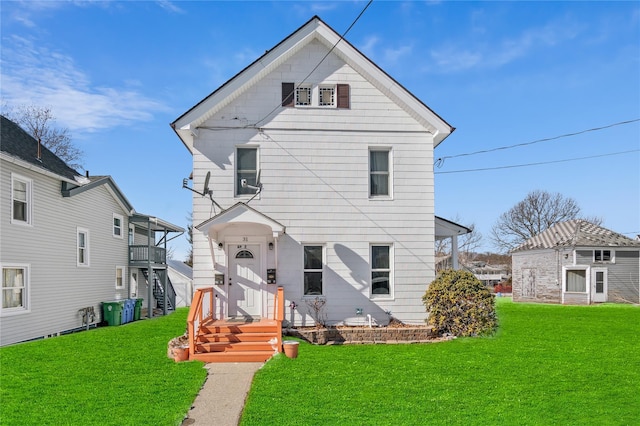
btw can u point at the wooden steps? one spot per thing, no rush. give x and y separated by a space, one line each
237 341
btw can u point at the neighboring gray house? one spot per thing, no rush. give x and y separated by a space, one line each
577 262
320 168
67 242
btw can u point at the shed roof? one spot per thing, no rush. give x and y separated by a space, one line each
576 233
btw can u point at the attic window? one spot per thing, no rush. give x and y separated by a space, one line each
303 95
327 96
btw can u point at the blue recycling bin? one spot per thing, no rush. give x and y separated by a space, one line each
127 312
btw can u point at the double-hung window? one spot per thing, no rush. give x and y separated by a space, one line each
381 270
246 169
15 287
120 277
313 266
117 225
379 172
82 247
21 206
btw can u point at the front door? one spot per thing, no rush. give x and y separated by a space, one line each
245 281
599 285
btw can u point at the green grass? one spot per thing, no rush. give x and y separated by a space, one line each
107 376
546 365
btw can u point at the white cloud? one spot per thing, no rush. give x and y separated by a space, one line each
35 75
170 6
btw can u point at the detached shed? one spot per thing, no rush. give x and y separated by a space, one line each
577 262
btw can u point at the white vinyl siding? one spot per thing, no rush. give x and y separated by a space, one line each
15 289
21 200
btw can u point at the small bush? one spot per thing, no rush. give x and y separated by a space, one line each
459 304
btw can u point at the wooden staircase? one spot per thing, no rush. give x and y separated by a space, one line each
232 340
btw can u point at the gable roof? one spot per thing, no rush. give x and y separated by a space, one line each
21 146
181 268
95 181
315 29
239 213
576 233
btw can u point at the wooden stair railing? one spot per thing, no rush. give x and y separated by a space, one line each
220 340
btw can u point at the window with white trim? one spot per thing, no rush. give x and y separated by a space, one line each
303 95
603 256
82 247
120 271
21 196
326 96
379 172
15 288
313 268
118 220
246 168
381 258
576 281
132 233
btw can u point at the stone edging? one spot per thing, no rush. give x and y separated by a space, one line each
364 335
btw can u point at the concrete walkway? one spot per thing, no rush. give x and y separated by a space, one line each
221 399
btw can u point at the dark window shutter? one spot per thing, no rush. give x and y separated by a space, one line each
287 94
343 96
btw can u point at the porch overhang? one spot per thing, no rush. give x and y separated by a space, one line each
239 214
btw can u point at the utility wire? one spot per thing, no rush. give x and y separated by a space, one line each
536 164
440 161
316 67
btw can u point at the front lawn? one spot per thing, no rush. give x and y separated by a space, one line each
107 376
547 364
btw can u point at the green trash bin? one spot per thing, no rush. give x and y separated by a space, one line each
112 312
137 309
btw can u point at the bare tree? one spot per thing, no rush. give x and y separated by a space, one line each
537 212
39 122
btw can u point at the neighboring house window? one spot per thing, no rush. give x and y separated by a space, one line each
303 95
576 281
117 225
83 247
602 256
15 287
326 95
21 206
313 265
120 277
380 270
246 168
379 172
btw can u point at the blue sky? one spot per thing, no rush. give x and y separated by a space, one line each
116 74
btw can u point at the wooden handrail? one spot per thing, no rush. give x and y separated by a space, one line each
278 314
196 313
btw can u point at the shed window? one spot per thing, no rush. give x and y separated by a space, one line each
576 281
602 256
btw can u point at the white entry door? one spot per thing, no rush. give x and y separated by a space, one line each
245 281
599 285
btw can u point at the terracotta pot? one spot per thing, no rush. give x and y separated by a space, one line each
290 348
180 354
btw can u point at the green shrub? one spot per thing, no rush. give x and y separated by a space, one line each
459 304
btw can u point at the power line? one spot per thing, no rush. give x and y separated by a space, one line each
318 64
536 164
440 161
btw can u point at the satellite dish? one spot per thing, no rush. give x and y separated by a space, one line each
206 184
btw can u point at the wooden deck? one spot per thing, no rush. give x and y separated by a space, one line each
242 339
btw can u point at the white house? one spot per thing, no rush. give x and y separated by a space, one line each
67 243
314 172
